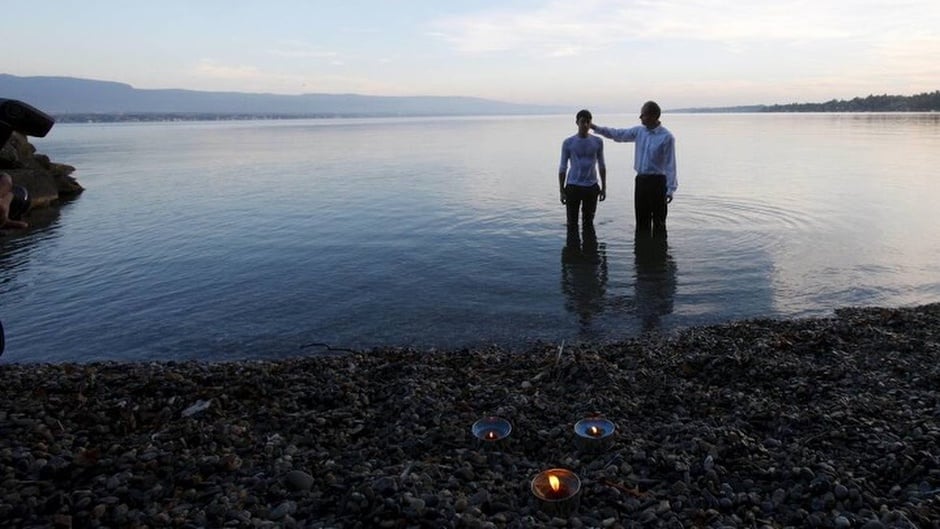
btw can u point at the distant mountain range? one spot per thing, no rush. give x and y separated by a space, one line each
73 99
70 99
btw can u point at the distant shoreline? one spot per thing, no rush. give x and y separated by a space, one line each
85 100
162 117
148 117
926 102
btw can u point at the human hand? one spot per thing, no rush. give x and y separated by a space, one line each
668 199
602 195
564 198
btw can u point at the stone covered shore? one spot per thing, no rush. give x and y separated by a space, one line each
830 422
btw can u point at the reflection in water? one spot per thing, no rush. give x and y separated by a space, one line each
584 278
16 245
655 282
15 249
263 276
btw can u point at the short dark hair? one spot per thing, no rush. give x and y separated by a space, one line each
583 114
653 108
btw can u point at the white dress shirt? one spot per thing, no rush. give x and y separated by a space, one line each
655 151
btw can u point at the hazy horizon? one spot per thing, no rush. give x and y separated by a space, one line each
609 55
432 96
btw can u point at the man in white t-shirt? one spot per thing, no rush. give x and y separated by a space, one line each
582 165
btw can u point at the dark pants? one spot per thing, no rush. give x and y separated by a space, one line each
649 202
584 200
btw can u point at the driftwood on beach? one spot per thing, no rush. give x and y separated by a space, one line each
830 422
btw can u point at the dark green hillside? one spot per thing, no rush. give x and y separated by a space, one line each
926 102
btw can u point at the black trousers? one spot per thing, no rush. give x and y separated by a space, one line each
649 202
583 200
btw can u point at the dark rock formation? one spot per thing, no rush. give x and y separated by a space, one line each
45 180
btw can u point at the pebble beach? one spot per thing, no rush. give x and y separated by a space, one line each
828 422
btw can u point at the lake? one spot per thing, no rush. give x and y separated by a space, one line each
268 239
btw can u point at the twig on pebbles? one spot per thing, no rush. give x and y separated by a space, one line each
407 470
635 491
615 458
557 365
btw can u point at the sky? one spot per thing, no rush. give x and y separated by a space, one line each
603 54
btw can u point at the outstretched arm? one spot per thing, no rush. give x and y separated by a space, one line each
616 134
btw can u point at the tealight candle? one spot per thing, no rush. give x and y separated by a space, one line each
558 491
594 434
491 429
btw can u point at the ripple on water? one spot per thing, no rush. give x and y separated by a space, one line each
741 226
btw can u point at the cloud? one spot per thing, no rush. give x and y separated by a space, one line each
910 63
303 50
915 53
698 51
556 29
211 75
575 28
206 68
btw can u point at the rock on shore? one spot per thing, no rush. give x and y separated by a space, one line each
830 422
45 180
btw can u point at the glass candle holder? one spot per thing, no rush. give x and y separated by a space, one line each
558 492
491 429
594 434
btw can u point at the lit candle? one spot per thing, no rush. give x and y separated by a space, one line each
593 434
491 429
557 491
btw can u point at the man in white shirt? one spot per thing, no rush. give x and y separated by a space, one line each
582 160
655 163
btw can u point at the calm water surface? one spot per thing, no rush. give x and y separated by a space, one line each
263 239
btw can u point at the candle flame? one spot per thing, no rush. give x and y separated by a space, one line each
595 431
491 435
553 482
